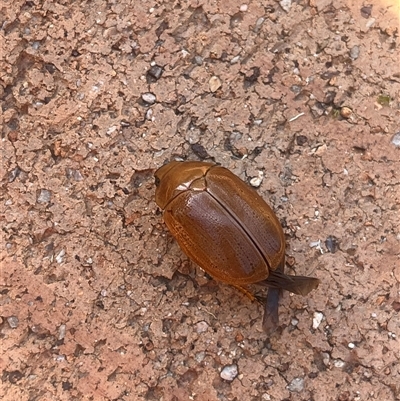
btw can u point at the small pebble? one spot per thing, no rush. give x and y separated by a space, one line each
149 98
317 319
73 174
286 4
155 71
60 256
229 372
13 321
198 60
201 327
243 8
331 244
396 139
13 174
256 181
200 356
215 83
296 385
366 11
149 114
198 149
351 345
60 358
44 196
259 23
346 112
294 322
370 23
338 363
315 244
112 129
355 52
61 331
301 140
325 358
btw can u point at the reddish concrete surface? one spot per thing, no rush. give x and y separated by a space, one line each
97 302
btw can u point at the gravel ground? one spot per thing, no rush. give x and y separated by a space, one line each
300 98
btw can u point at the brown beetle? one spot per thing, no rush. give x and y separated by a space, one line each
225 227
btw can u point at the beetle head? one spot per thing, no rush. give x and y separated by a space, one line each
176 177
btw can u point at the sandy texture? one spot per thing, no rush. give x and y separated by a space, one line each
97 301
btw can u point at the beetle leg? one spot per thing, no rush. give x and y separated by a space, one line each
271 317
300 285
271 303
246 292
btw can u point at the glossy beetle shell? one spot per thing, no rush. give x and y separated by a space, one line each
220 222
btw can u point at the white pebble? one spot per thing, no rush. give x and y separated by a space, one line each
60 256
44 196
286 4
259 22
229 372
370 22
111 129
201 327
296 385
61 331
325 358
200 356
149 114
256 181
338 363
214 83
315 244
317 319
13 322
243 8
396 140
351 345
149 97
